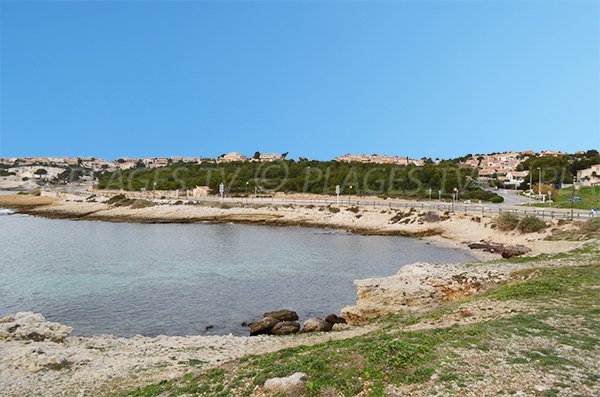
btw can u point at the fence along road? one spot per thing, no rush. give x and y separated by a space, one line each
440 206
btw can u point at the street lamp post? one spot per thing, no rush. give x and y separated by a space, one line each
454 198
530 187
573 196
540 184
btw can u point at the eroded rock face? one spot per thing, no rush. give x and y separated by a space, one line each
283 315
420 287
316 324
263 326
291 386
32 326
286 328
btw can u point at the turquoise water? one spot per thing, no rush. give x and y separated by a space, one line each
128 279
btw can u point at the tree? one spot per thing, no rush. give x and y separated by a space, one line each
40 171
256 156
283 156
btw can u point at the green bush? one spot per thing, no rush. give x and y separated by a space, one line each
531 224
497 199
116 199
506 221
139 203
334 210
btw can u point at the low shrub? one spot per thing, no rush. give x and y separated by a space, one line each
506 221
115 199
353 209
334 210
141 204
497 199
531 224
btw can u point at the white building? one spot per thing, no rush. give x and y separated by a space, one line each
589 176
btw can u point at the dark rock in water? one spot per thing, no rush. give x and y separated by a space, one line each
245 324
209 326
335 319
283 315
286 328
316 324
263 326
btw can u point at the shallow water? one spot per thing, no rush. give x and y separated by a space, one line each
176 279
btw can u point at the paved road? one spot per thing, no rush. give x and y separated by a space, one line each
511 197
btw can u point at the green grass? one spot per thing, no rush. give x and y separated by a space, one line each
590 198
398 357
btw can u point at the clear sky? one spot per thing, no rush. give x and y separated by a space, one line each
316 79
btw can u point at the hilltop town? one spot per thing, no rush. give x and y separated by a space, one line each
510 169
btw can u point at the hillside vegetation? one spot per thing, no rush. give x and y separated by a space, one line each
319 177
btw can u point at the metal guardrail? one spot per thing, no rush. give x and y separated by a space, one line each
467 209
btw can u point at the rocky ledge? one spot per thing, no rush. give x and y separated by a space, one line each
32 326
420 287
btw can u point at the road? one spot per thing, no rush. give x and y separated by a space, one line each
511 197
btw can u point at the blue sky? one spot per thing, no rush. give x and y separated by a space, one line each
316 79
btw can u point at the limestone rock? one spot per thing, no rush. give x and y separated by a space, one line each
340 327
316 324
283 315
263 326
335 319
32 326
286 328
291 386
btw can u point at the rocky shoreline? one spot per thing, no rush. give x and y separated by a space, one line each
455 230
39 358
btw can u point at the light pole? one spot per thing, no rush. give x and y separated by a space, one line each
540 184
530 187
349 193
247 183
454 197
573 196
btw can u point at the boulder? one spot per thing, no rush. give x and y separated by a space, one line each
263 326
335 319
283 315
32 326
291 386
286 328
316 324
340 327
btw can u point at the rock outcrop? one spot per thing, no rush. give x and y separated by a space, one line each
286 328
316 324
32 326
419 287
335 319
263 326
283 315
507 251
291 386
